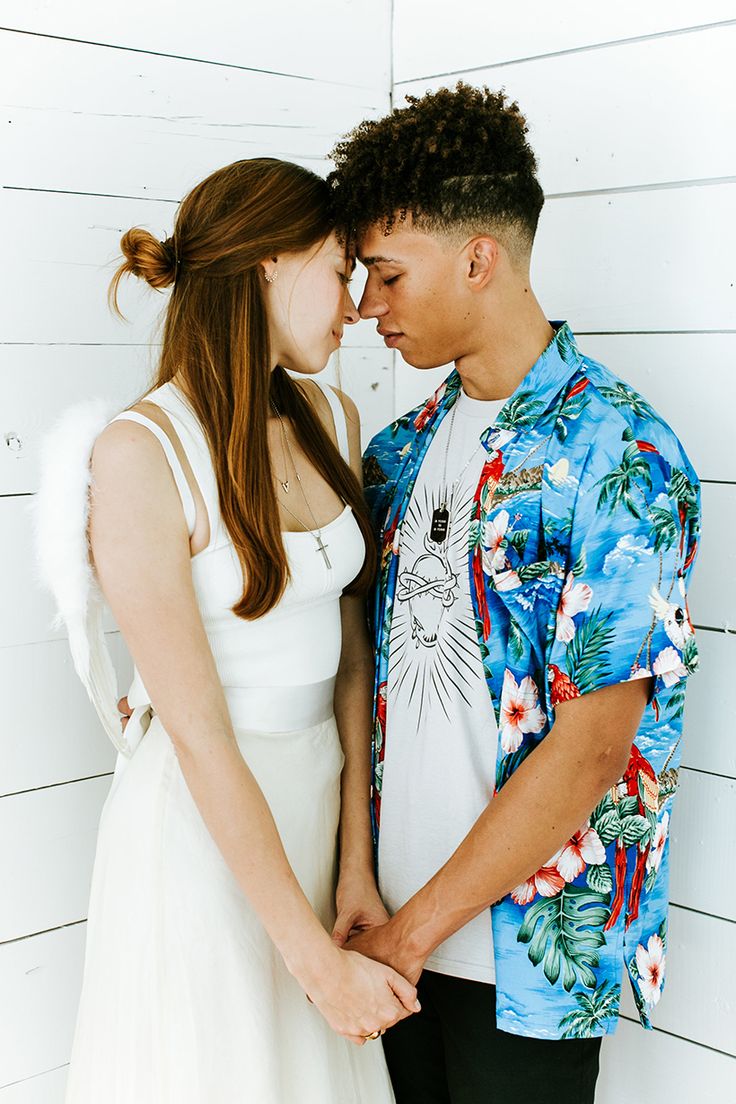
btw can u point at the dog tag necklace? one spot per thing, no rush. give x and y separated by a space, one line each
441 514
439 529
315 533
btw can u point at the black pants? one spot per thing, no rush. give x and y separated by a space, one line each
452 1053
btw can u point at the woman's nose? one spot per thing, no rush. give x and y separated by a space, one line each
351 311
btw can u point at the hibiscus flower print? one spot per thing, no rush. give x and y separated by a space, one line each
494 535
574 599
520 711
650 961
546 882
584 847
654 858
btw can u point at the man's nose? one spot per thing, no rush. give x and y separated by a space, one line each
371 305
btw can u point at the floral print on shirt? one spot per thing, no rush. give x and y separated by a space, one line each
584 534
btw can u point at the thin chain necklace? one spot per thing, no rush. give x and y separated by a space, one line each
321 546
439 530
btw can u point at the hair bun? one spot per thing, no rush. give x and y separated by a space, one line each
149 259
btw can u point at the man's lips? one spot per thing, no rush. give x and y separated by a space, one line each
391 337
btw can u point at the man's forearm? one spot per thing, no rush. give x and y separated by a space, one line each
539 809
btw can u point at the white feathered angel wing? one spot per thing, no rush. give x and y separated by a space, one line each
60 513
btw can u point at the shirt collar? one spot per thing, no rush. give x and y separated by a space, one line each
535 394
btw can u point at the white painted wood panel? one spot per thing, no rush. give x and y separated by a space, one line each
134 138
47 847
40 980
51 733
713 591
617 263
38 382
702 830
43 1088
343 41
67 247
667 369
710 709
698 999
658 1067
433 37
639 261
586 122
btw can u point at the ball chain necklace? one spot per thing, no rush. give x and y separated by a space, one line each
439 529
316 533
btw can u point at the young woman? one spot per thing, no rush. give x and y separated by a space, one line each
226 521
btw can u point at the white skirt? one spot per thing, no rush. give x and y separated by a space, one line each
185 1000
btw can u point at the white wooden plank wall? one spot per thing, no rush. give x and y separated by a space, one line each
110 114
632 115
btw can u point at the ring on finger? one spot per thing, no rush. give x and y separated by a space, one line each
374 1034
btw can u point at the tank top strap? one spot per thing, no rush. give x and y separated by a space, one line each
194 442
187 500
339 418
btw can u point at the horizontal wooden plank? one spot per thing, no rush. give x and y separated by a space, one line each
607 142
40 979
67 248
703 819
664 368
51 733
43 1088
157 125
47 848
697 1001
627 262
430 37
710 709
660 1069
317 41
713 591
38 382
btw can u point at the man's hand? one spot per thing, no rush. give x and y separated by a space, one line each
382 944
126 711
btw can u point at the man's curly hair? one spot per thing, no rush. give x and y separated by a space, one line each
457 160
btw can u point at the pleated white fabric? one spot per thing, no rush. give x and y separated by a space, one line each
185 1000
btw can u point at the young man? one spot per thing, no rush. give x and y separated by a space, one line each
538 524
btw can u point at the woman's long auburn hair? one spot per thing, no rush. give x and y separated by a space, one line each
216 342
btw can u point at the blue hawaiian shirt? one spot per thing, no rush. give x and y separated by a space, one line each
584 533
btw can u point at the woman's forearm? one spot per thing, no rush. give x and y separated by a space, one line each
237 816
353 712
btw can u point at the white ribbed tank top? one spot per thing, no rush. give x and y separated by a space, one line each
297 643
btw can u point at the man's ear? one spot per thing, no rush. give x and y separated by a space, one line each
481 256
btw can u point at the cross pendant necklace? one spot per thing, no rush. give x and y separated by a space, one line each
315 533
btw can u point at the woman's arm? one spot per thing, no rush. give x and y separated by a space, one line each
140 548
358 904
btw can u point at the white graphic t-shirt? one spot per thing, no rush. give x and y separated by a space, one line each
439 767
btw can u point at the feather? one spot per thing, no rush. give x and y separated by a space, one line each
659 604
60 517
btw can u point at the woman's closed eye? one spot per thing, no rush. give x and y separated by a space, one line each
390 280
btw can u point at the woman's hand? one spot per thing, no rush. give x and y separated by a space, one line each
359 906
358 996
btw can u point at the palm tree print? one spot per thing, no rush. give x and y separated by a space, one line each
621 395
618 487
593 1010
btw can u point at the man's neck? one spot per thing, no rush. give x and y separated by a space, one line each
503 352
